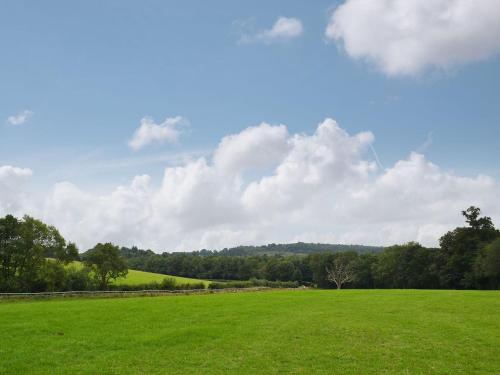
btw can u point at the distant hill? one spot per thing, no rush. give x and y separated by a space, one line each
299 248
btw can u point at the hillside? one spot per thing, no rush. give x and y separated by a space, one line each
135 277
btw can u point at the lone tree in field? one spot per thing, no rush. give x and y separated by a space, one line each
340 272
106 263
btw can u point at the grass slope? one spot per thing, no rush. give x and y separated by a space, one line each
139 277
276 332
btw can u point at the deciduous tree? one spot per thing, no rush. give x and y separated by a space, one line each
341 271
106 263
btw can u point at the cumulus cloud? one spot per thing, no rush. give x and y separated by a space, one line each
404 37
323 186
20 118
150 132
265 185
12 183
284 29
330 158
254 147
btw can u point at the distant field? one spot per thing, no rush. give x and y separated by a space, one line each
139 277
275 332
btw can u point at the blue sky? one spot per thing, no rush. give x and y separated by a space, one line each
90 71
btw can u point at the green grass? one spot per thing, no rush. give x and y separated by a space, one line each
275 332
140 277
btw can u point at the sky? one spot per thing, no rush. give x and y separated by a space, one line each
187 125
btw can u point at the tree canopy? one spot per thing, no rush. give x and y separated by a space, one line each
25 246
106 262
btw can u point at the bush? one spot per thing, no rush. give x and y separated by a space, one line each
78 279
168 283
253 283
193 286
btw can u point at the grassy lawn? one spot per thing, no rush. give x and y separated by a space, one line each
139 277
275 332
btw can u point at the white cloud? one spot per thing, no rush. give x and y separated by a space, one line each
404 37
149 132
329 158
12 182
254 147
284 29
20 118
319 187
265 185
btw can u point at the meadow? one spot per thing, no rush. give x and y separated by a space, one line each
271 332
135 277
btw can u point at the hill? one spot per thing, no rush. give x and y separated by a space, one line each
135 277
298 248
275 332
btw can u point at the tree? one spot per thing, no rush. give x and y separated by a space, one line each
364 268
106 263
9 245
341 271
407 266
475 221
319 264
459 249
488 263
24 247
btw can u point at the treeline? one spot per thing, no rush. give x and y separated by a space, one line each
35 257
468 258
299 248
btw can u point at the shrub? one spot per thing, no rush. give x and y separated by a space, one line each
253 283
168 283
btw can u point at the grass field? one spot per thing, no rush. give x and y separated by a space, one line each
274 332
140 277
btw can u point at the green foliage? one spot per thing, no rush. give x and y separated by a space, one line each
488 264
253 283
24 247
460 248
299 248
168 283
476 222
106 264
78 279
407 266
